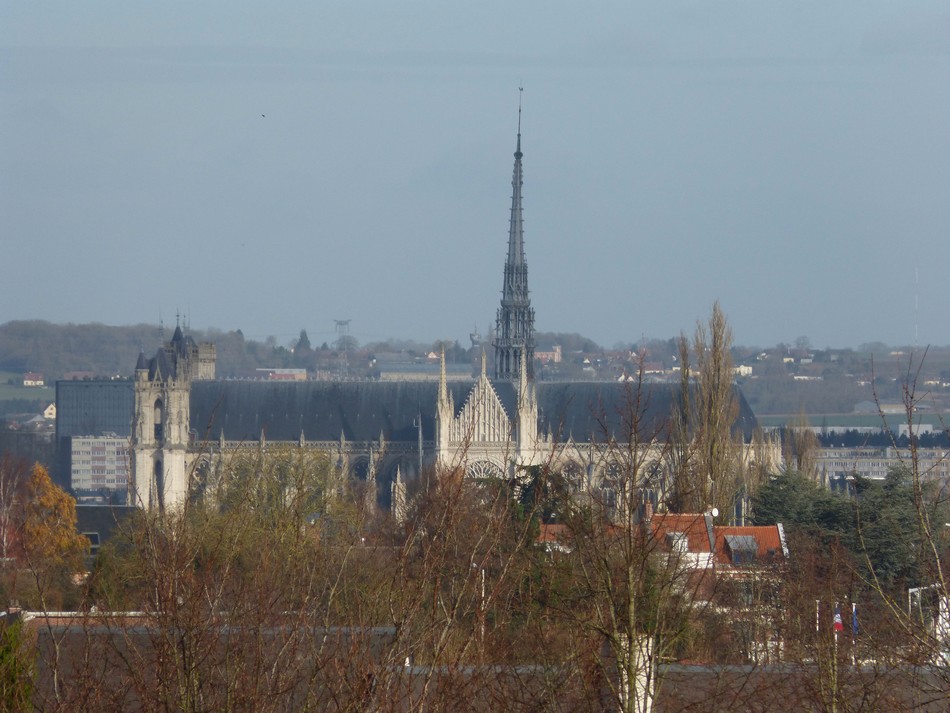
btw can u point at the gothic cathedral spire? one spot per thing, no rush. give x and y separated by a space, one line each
514 327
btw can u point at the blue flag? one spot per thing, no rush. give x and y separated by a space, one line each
854 619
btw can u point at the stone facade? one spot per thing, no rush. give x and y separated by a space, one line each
161 425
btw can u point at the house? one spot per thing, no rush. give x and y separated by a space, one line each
33 378
554 537
748 563
734 570
690 536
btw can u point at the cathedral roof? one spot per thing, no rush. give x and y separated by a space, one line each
601 411
361 411
322 411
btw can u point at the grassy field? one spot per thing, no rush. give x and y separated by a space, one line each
33 393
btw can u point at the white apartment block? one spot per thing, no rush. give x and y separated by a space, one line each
99 463
875 463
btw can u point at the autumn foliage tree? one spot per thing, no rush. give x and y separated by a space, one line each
42 549
49 523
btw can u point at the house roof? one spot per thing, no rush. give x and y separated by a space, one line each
102 520
697 527
553 533
766 542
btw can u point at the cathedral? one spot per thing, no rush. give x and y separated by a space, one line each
386 433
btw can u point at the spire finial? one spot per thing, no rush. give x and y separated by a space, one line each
518 153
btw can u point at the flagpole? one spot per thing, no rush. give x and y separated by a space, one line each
854 634
834 661
836 625
817 615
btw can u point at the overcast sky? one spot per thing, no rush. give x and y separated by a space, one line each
276 166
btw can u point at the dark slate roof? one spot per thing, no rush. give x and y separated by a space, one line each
600 411
362 411
323 411
101 519
161 367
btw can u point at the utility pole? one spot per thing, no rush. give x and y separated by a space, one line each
343 344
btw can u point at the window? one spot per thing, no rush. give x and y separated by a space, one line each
158 420
742 548
677 541
93 538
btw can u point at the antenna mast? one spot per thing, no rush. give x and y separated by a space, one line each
343 344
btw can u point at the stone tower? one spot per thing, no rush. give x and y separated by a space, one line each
514 328
161 420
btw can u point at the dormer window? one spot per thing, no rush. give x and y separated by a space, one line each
678 542
742 549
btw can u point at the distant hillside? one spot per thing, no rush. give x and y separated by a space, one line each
105 351
54 349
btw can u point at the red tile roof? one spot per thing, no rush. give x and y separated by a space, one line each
697 527
769 538
553 533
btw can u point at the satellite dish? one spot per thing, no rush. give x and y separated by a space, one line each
714 512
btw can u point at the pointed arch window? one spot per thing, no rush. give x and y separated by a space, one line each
159 420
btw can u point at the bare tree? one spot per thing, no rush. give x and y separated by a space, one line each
800 446
706 466
13 475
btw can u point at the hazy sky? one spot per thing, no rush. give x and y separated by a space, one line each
276 166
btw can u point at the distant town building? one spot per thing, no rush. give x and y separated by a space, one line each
835 465
553 356
99 463
78 375
33 378
283 374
